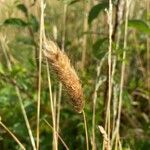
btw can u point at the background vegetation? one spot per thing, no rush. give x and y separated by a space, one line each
114 68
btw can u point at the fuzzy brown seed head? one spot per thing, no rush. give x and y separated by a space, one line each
65 72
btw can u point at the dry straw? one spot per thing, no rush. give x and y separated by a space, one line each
65 72
106 140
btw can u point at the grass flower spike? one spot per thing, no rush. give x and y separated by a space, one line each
65 72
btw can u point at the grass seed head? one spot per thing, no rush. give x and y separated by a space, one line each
65 72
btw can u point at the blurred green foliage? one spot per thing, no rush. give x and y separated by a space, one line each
22 33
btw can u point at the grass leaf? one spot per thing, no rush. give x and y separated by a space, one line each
23 8
15 22
139 25
96 10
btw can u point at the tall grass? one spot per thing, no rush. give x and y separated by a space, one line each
108 120
108 126
39 74
122 74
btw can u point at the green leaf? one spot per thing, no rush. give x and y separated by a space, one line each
98 43
94 12
99 48
15 22
74 1
17 70
23 8
34 23
139 25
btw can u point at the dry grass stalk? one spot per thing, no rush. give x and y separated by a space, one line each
65 72
14 137
106 140
65 145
